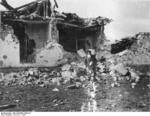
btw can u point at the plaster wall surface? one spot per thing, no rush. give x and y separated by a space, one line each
49 55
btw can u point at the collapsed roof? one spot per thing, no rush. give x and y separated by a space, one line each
41 11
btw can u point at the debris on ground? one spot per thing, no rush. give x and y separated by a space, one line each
55 90
148 85
81 53
78 72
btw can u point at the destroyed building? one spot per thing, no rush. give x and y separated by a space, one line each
36 34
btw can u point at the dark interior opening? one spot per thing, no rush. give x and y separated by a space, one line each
73 38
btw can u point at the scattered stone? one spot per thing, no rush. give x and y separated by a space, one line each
142 105
66 67
17 101
133 85
148 85
42 85
134 76
55 105
81 53
73 86
82 78
55 90
113 105
78 84
120 95
67 74
120 69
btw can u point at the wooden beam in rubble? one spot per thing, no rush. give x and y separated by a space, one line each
6 5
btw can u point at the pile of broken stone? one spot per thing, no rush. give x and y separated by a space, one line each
75 74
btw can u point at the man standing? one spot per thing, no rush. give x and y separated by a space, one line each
91 63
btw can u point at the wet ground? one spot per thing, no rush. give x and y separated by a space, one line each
41 99
123 98
126 98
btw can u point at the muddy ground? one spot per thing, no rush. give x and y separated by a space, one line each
123 98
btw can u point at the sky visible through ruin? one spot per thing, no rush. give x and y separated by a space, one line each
129 16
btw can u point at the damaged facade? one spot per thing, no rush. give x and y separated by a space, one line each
36 34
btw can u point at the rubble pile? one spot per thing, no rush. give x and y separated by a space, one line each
134 51
123 54
70 73
76 74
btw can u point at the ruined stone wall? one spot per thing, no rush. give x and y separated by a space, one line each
101 39
48 51
9 48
